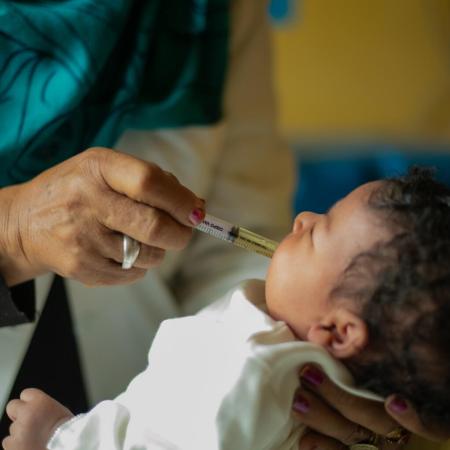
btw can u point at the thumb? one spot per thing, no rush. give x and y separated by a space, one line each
404 413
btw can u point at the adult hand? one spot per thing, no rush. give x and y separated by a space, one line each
337 419
71 219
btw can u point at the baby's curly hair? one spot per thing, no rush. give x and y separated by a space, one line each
403 289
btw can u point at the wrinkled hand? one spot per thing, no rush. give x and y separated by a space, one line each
335 418
71 219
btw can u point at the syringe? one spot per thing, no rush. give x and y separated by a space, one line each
237 235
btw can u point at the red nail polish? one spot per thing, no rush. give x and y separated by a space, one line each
197 216
300 404
313 376
398 405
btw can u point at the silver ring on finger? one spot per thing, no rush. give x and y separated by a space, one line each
131 249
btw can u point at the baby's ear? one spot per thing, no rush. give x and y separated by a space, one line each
342 332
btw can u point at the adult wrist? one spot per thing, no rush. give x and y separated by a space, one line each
15 268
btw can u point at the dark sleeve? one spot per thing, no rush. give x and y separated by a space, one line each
17 304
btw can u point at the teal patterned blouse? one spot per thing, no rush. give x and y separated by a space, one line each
77 73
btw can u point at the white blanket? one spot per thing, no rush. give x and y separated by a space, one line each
223 379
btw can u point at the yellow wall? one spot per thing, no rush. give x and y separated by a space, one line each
370 68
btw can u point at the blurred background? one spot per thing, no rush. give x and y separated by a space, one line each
364 92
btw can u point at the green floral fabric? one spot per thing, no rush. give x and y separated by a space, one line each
77 73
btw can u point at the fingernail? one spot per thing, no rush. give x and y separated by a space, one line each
313 376
300 404
398 405
197 216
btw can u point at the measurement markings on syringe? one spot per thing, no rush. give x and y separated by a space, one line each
218 231
241 237
213 225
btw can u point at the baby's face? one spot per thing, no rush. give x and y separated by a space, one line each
310 260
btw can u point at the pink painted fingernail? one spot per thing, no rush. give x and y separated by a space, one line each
398 405
196 217
313 376
300 404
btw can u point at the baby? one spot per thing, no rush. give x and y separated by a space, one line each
363 290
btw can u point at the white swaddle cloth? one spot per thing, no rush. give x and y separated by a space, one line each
223 379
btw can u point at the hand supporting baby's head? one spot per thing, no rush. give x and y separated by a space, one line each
370 281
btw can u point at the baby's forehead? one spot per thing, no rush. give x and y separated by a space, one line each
353 218
359 198
366 190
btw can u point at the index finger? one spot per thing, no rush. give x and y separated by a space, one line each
148 183
368 413
404 413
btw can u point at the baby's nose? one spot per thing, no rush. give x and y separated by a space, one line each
304 220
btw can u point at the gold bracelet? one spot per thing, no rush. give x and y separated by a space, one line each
398 436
